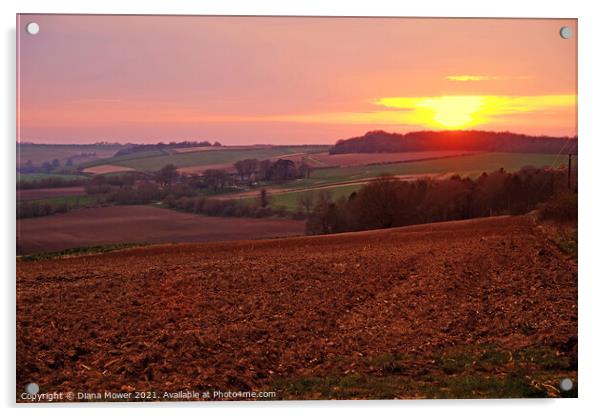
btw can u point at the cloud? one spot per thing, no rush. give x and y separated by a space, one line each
464 78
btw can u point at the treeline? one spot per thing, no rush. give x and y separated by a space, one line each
135 148
30 209
389 202
269 171
223 208
53 165
472 140
125 189
142 188
177 191
52 182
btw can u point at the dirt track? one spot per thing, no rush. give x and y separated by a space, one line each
242 315
318 188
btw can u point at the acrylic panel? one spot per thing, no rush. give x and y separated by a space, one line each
295 208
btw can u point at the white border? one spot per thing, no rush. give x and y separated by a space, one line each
590 276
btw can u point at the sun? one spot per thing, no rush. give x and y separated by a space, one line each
452 112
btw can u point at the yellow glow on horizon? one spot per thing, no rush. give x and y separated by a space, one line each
455 112
449 112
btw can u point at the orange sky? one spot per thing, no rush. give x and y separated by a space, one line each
289 80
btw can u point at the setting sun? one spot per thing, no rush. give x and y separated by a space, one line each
450 112
454 112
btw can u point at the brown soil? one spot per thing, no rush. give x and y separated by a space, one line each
141 224
242 315
360 159
218 148
103 169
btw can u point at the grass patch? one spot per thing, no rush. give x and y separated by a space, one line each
456 362
492 356
40 153
290 200
78 251
30 177
568 243
356 386
350 386
513 385
483 371
153 162
117 160
74 200
470 165
389 363
545 358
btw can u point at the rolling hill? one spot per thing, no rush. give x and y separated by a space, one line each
472 140
417 312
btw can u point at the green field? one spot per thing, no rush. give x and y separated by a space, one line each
79 200
151 162
290 200
122 159
40 153
471 165
27 177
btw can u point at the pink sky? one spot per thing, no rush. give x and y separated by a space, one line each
244 80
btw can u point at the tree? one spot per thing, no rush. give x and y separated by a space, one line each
304 170
216 178
379 204
97 185
283 170
245 168
263 198
250 167
167 175
307 202
56 163
264 170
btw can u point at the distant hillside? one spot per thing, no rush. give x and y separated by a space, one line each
384 142
138 148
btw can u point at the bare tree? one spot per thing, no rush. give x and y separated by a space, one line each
246 168
216 178
307 202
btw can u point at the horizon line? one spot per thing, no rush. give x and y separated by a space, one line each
121 143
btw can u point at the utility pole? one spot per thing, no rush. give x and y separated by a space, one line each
569 173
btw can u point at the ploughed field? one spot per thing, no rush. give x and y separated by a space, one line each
141 224
479 308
